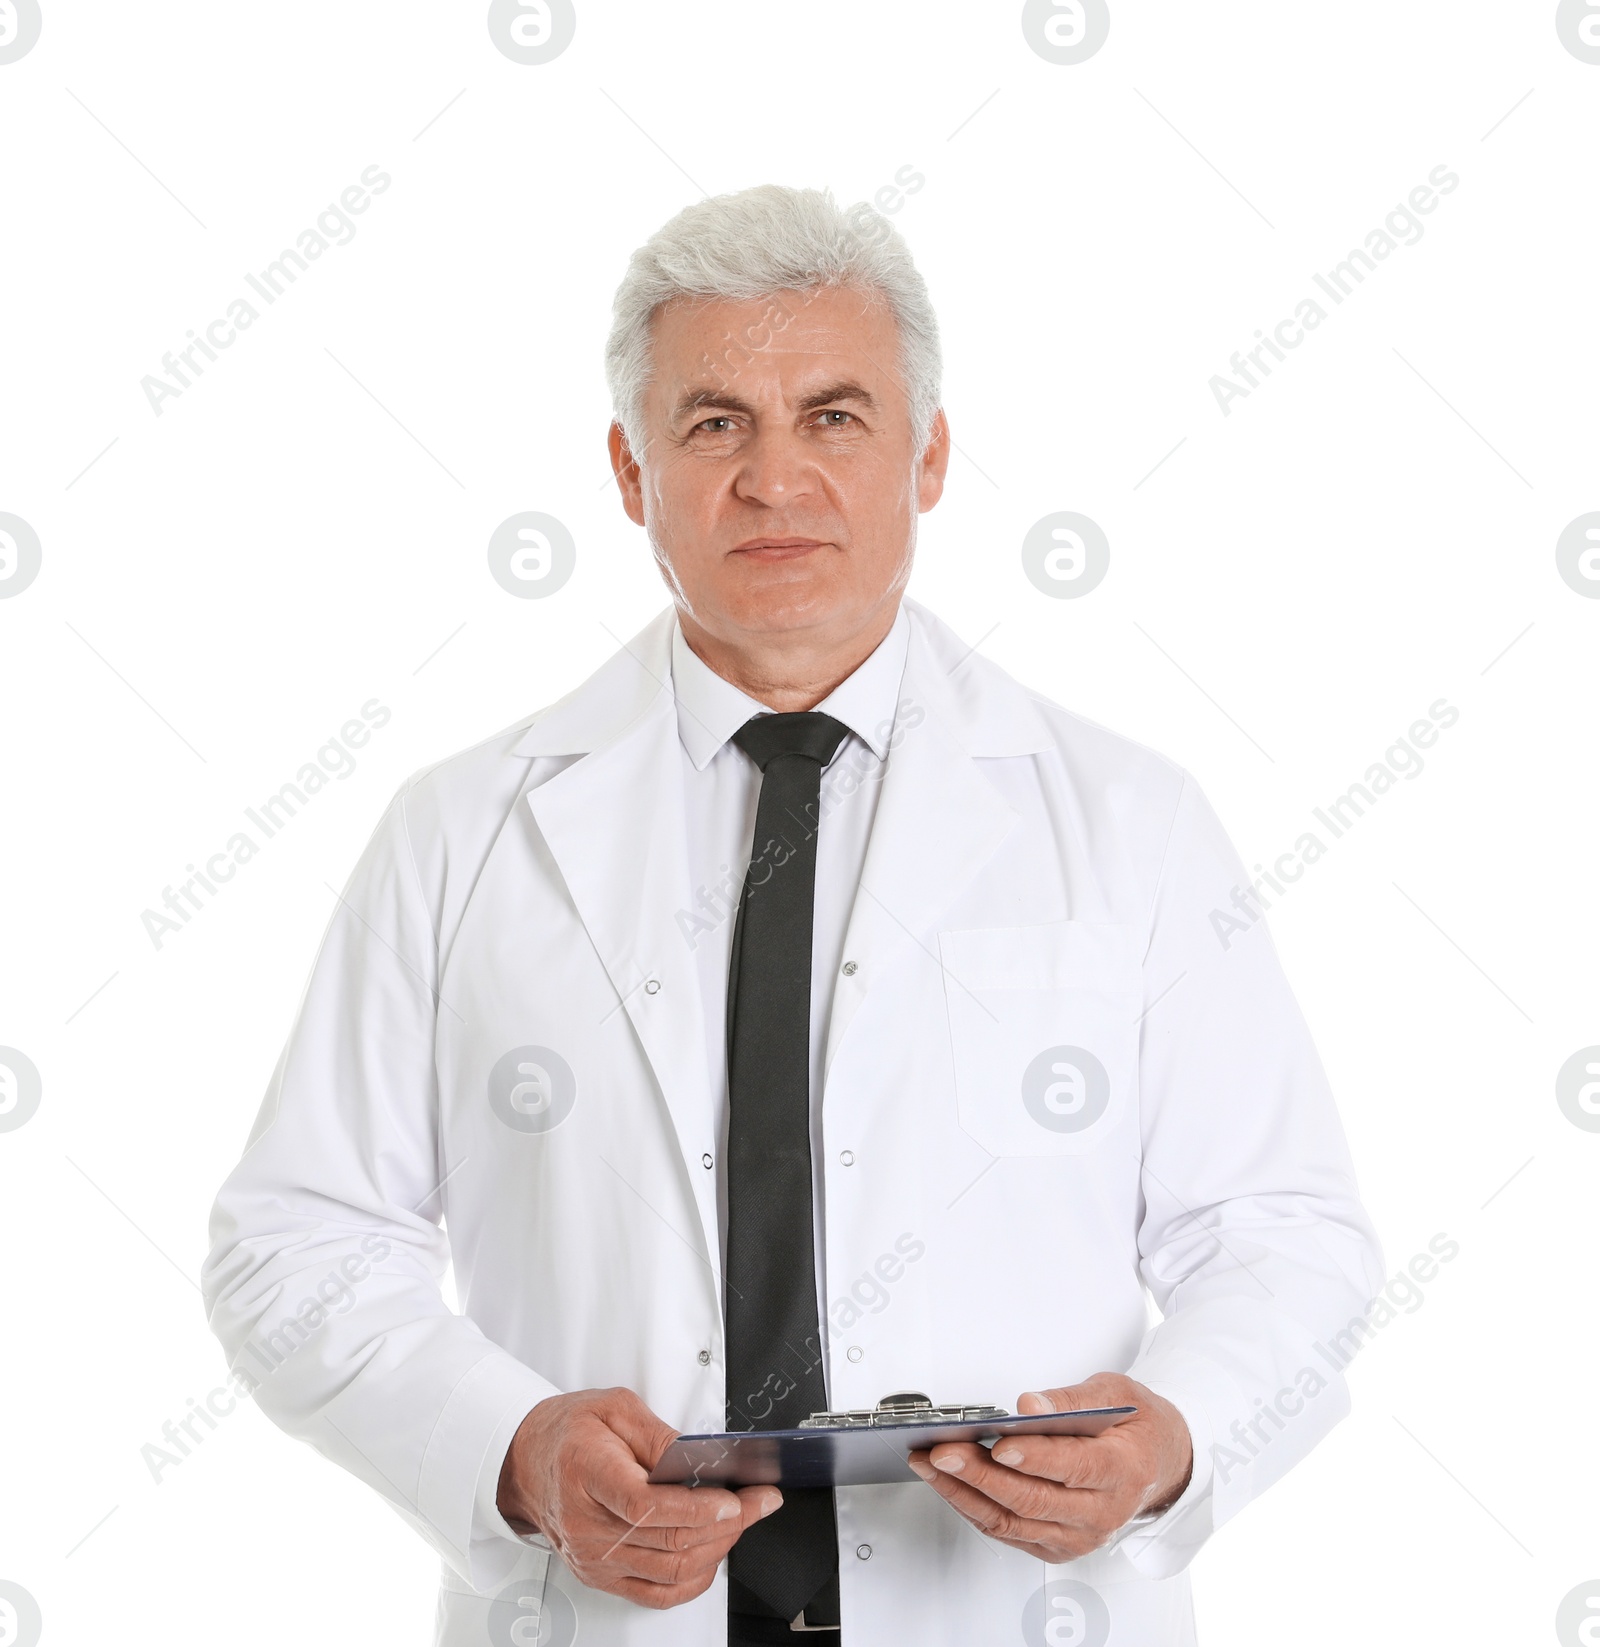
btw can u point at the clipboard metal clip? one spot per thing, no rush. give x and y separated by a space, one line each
903 1407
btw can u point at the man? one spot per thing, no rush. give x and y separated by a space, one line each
798 1011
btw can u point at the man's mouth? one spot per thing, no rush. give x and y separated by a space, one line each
777 548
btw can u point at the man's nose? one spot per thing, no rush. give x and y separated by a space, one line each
775 469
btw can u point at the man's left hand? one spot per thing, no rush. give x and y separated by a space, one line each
1058 1497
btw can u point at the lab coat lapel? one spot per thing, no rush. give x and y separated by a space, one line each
938 822
614 822
939 819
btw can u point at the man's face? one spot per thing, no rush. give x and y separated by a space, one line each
781 484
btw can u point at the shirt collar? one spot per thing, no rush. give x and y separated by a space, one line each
711 709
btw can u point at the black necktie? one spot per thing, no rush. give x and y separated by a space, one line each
789 1561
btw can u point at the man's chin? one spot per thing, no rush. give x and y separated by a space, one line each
775 621
774 606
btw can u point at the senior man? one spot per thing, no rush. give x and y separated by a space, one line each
798 1011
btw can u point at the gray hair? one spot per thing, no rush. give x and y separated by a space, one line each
756 244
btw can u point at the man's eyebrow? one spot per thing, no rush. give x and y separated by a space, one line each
699 400
844 389
719 400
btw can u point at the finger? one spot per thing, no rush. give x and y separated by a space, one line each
1064 1399
1073 1461
664 1567
1032 1497
1102 1390
647 1536
643 1593
749 1506
626 1494
1046 1542
758 1503
996 1520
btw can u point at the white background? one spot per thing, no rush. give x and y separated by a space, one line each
304 529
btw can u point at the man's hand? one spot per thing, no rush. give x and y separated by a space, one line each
576 1472
1060 1496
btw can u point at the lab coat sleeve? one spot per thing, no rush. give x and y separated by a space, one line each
1252 1239
322 1280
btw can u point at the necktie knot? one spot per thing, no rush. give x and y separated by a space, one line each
816 736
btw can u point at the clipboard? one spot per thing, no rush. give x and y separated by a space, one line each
854 1455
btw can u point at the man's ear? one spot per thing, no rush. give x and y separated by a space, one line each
934 462
626 468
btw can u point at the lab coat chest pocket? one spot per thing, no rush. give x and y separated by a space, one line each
1044 1034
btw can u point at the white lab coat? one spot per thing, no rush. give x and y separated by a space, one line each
1035 889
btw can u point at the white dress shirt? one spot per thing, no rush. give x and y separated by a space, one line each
721 787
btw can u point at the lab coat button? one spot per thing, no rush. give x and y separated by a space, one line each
849 969
854 1353
652 986
705 1161
863 1552
704 1358
847 1158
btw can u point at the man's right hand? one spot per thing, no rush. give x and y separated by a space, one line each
576 1471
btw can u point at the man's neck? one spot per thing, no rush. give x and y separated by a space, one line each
788 673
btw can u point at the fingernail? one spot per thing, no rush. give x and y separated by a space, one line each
773 1501
1009 1456
953 1465
923 1470
729 1510
1044 1400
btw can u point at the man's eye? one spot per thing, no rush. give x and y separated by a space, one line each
716 425
834 419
